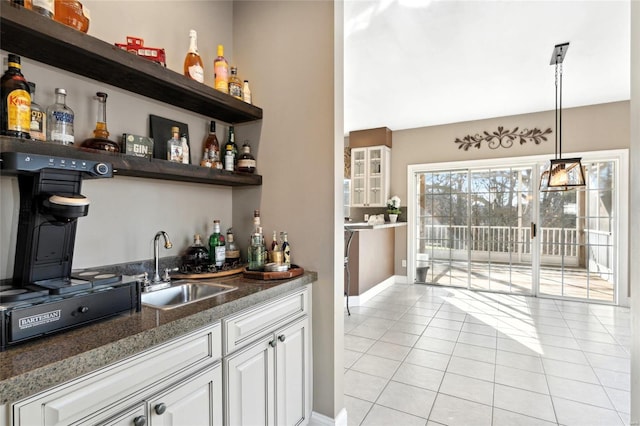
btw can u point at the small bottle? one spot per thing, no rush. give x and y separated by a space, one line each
174 146
221 71
205 162
235 85
38 126
211 143
246 92
193 67
286 249
232 253
231 151
16 101
60 120
216 245
257 252
246 162
185 148
197 255
43 7
274 242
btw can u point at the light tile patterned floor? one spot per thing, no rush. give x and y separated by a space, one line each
426 355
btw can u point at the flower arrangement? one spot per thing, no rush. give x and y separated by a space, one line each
393 205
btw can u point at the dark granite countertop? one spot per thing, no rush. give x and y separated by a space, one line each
35 366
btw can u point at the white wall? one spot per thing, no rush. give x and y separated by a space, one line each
634 234
288 49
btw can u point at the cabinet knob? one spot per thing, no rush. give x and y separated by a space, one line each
83 309
160 408
273 343
140 421
281 337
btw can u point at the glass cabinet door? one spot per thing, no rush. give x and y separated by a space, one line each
358 177
375 178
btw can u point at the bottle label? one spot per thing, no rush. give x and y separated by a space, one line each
62 137
62 117
220 255
228 162
232 254
37 126
245 163
235 90
19 110
197 73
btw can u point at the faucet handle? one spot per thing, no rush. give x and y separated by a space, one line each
166 276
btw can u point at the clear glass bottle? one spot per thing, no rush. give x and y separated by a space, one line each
38 126
232 252
246 92
235 85
211 143
231 151
246 161
256 255
174 146
186 158
100 139
217 245
60 120
221 70
196 256
193 66
16 101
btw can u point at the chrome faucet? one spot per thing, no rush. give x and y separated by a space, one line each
156 255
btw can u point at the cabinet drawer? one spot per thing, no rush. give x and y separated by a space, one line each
115 384
246 326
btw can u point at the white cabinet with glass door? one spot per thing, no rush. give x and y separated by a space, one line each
370 176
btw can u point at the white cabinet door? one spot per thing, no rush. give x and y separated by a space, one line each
197 401
250 385
370 176
293 359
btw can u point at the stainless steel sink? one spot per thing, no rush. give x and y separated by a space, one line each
182 293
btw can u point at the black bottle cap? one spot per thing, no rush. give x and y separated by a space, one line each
212 127
14 58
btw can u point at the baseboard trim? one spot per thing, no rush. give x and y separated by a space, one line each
318 419
371 293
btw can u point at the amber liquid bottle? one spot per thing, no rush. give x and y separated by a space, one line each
193 67
221 70
16 101
212 146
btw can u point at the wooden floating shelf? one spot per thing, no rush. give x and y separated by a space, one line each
128 165
31 35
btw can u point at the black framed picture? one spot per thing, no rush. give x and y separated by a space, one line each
160 131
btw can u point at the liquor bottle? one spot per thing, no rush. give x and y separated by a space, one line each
235 85
60 120
205 162
246 162
174 146
274 242
246 92
193 67
43 7
286 249
38 126
72 13
231 151
211 143
185 149
16 101
216 245
221 71
256 251
100 139
196 256
232 253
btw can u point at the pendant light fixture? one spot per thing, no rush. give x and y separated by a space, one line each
562 174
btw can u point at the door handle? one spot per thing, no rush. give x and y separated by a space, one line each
533 230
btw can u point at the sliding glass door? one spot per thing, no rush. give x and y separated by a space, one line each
488 227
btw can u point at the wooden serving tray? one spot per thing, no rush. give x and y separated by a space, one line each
208 274
294 271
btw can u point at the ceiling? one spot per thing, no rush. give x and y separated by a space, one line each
415 63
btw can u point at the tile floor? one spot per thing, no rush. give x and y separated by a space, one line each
426 355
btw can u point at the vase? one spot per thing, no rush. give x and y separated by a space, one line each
393 218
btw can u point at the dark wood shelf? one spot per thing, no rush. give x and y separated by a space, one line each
33 36
128 165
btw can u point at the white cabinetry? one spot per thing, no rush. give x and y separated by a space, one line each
370 176
179 382
268 379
